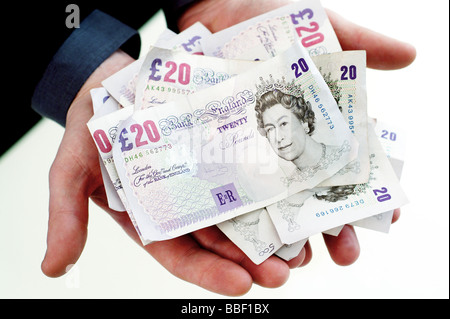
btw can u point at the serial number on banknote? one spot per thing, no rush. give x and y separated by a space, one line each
320 106
148 152
169 89
340 208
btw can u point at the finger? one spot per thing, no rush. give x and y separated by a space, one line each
308 254
184 258
344 249
73 177
396 215
383 52
272 273
303 258
297 261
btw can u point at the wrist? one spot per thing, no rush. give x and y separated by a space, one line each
80 55
114 63
117 61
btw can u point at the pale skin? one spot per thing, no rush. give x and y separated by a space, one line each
206 257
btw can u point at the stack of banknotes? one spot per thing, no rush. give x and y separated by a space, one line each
261 129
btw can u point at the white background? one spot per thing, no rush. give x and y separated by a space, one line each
409 262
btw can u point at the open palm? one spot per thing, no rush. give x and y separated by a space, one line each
206 257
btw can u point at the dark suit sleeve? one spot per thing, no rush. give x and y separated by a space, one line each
87 47
100 33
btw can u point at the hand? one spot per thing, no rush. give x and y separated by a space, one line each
206 257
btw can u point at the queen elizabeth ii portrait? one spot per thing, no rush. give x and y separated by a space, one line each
288 122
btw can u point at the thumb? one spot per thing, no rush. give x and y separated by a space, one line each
73 177
68 219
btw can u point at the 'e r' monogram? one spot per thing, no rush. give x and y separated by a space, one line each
226 197
223 198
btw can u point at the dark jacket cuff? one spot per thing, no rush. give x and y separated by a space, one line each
85 49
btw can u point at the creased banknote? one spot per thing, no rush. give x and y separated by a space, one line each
392 139
122 85
271 151
350 94
103 128
211 156
269 34
188 41
103 105
345 75
297 218
261 41
254 233
166 75
104 132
